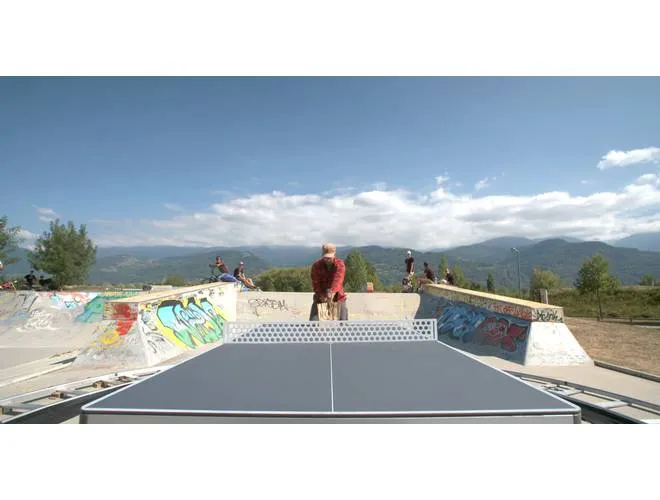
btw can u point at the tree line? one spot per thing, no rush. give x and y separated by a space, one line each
67 254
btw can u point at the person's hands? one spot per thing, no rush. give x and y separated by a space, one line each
330 295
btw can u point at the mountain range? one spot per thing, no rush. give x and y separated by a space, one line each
123 265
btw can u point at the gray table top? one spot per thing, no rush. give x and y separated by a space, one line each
381 378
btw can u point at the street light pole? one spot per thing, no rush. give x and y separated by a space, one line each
515 250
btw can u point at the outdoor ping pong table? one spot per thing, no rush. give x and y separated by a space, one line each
330 372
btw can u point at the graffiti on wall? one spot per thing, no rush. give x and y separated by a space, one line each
93 311
70 301
121 311
191 322
111 334
467 324
256 304
156 341
524 312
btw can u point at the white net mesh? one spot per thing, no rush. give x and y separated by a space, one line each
330 331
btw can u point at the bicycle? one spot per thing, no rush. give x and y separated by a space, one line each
215 275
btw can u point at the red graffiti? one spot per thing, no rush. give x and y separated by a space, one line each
121 311
494 331
123 327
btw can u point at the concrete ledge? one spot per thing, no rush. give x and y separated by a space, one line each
489 331
522 309
148 329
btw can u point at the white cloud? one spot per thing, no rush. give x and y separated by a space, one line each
45 214
435 219
380 186
173 206
441 179
648 179
482 184
584 182
617 158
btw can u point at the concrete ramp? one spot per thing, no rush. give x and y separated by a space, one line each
526 332
288 306
51 319
146 330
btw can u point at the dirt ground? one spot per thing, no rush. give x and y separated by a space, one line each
624 345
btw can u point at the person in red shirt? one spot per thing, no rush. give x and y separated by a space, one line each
328 282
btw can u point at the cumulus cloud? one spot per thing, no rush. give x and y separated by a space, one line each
45 214
617 158
483 183
437 219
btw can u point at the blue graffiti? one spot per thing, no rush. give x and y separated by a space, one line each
460 322
193 324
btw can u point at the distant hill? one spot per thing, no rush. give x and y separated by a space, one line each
130 269
643 241
142 265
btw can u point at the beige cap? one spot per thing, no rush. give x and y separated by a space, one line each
329 250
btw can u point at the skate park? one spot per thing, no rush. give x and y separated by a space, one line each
69 349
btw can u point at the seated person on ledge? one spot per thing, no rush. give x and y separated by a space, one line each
239 274
222 267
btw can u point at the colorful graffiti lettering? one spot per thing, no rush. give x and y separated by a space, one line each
112 333
191 322
94 308
93 311
70 301
120 311
459 322
500 332
520 311
467 324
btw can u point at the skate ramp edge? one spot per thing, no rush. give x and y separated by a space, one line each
526 332
296 306
146 330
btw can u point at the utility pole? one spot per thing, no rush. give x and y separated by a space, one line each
515 250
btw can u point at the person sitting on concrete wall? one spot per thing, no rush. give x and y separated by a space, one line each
224 270
429 275
328 283
239 274
449 278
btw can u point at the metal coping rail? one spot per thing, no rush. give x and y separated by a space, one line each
62 402
594 412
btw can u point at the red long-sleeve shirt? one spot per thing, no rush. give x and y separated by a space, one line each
328 274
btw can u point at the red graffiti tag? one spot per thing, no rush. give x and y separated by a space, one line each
123 312
500 332
123 327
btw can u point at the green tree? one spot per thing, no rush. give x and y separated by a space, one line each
9 241
357 272
490 283
543 279
647 280
444 264
285 279
459 277
372 275
66 253
594 279
175 280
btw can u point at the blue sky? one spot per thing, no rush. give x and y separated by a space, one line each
418 162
